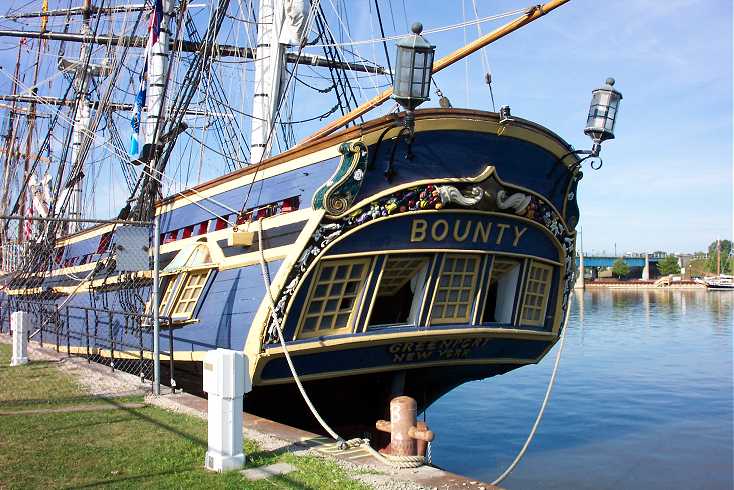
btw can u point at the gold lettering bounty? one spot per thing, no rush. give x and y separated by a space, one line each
466 230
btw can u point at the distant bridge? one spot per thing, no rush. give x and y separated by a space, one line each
608 261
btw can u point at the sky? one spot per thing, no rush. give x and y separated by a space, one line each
666 182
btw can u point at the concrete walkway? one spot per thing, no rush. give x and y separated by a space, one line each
270 435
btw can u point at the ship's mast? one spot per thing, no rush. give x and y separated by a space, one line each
269 70
28 143
157 73
81 121
9 146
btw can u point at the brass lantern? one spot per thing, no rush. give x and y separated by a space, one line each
412 80
603 113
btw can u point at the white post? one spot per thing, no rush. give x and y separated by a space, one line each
225 379
269 68
580 277
646 269
19 323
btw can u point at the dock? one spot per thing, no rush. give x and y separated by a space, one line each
107 391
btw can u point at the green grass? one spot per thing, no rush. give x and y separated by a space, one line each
123 448
40 384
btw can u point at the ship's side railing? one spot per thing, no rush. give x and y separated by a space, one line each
90 292
119 339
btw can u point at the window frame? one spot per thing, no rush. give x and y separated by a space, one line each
366 263
467 318
182 286
544 297
176 285
421 273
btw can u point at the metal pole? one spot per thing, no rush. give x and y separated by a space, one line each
155 306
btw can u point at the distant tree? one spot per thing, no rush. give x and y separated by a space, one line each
620 268
725 250
669 266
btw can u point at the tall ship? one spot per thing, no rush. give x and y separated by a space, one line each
161 169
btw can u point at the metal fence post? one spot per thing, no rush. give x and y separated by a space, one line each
155 306
86 330
68 333
112 340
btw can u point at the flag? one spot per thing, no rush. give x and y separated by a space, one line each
154 26
138 114
154 31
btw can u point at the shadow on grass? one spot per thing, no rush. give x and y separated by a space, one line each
136 412
274 480
87 425
69 400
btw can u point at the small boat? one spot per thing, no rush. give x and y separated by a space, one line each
720 282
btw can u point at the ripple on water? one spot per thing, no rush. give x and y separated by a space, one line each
643 399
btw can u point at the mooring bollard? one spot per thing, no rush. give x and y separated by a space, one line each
226 380
19 323
404 429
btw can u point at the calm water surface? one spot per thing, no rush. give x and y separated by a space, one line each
643 399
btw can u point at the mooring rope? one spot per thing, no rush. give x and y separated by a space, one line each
390 460
543 406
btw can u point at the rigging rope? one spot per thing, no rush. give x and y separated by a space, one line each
449 27
384 43
543 405
390 460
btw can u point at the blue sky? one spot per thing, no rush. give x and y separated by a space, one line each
666 183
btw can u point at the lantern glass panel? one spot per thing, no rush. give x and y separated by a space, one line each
611 113
412 80
403 76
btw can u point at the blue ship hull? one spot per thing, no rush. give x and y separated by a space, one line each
397 267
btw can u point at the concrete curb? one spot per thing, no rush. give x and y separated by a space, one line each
270 435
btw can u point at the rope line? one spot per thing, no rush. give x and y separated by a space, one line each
390 460
543 406
450 27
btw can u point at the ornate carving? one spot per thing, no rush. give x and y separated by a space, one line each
517 201
430 196
338 193
450 194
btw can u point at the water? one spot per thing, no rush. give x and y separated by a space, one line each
643 399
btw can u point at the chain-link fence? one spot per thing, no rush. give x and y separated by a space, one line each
91 294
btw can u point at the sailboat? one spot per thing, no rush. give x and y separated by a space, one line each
404 254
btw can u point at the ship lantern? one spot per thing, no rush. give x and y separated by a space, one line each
602 114
412 81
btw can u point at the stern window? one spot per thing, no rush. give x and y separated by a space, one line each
503 284
333 297
400 292
536 294
456 288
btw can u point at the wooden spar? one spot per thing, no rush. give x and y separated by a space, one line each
532 14
10 144
221 50
29 141
80 11
95 104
